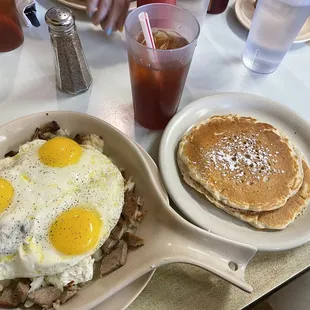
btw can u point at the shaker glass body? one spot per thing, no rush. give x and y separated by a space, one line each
72 72
11 34
275 26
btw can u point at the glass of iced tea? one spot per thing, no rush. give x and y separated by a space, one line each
11 34
158 75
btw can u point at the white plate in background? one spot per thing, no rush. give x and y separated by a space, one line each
80 5
195 206
245 11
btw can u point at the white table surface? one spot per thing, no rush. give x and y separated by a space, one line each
27 75
28 81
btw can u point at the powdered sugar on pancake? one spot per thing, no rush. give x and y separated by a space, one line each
231 154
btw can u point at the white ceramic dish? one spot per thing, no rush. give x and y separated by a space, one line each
168 237
245 11
198 209
80 5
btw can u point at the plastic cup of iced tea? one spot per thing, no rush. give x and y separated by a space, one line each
158 75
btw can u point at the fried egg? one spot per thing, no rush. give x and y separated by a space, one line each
59 202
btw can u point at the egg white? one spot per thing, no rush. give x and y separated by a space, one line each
41 193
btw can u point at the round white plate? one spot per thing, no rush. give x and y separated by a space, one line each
80 5
245 11
197 208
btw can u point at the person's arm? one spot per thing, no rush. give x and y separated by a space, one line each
110 14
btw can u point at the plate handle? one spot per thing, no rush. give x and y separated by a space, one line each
187 243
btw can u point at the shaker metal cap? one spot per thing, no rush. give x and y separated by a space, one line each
59 18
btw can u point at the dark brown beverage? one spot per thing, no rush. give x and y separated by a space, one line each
144 2
11 35
157 88
217 6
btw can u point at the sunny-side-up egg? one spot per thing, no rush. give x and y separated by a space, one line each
59 202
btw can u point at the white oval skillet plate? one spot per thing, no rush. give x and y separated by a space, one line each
168 237
244 10
197 208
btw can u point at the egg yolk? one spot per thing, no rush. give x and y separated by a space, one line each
76 231
60 152
6 194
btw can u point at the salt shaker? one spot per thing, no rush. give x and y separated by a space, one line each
72 72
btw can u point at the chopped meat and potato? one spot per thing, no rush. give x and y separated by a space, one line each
113 253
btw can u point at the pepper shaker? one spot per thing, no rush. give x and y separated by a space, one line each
72 72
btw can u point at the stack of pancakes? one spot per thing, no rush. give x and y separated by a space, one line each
246 168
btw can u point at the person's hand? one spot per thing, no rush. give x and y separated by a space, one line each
110 14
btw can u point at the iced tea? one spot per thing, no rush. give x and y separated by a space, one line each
157 90
158 75
11 34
